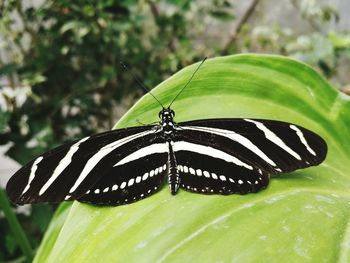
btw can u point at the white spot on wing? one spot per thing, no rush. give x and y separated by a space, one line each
131 182
206 174
274 138
145 176
302 139
185 169
222 178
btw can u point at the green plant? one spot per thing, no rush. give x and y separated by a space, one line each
301 216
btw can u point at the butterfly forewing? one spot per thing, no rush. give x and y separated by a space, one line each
69 171
273 146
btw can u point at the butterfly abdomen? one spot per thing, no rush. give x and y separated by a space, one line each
173 174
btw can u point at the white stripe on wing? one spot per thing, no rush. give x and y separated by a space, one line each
145 151
209 151
104 151
274 138
235 137
63 164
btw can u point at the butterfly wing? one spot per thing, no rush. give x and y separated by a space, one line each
136 176
207 165
69 171
239 155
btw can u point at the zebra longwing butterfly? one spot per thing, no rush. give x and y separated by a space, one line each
212 156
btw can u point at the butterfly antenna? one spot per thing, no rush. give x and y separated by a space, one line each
188 81
139 82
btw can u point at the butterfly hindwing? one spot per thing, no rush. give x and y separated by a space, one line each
204 167
69 171
197 174
135 177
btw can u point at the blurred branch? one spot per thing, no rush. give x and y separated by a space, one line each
156 15
154 10
346 89
243 20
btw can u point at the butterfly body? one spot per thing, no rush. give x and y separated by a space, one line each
168 127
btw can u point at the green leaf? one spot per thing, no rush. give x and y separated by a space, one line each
340 41
302 216
4 118
222 15
71 25
11 243
42 215
53 231
8 69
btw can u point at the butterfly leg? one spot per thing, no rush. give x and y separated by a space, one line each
173 174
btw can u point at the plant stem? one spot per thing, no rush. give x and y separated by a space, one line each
15 226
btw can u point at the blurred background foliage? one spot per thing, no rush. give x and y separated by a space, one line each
60 77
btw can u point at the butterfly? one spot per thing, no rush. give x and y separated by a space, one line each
210 156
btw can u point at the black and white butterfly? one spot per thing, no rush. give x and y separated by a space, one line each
212 156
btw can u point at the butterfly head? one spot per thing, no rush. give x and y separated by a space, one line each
166 116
